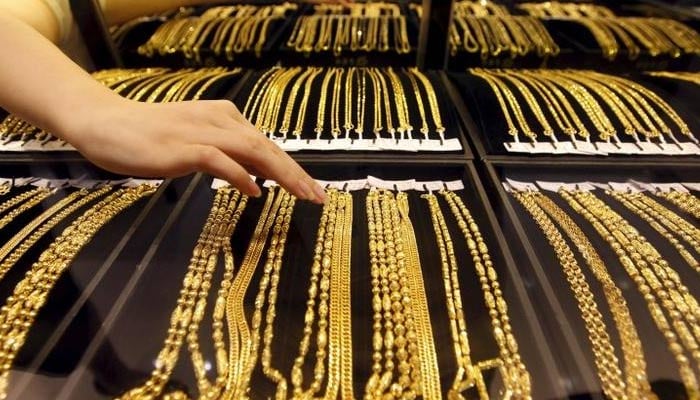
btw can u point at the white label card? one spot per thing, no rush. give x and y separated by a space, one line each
692 186
24 181
585 186
669 187
454 185
522 186
623 187
642 186
550 186
5 181
139 182
218 183
518 147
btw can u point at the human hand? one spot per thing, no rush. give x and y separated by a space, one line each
175 139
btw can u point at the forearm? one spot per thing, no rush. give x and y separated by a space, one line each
40 84
119 11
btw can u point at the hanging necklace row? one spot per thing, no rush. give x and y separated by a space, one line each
339 33
225 30
672 307
549 96
280 99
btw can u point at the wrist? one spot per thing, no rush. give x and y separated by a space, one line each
80 121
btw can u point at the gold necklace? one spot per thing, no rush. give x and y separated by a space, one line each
655 217
12 250
30 294
649 284
685 201
427 359
517 376
41 195
188 305
269 280
609 371
319 288
239 334
305 101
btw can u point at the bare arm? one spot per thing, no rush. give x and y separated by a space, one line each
119 11
40 84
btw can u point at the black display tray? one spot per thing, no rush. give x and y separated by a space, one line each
486 128
133 330
555 305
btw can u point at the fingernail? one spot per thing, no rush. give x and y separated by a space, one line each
320 193
306 192
255 190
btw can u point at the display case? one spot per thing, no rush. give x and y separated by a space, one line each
513 210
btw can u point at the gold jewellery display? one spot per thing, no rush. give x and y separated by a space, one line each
150 85
672 307
537 103
470 374
569 10
404 358
31 293
489 30
338 103
656 36
356 27
223 31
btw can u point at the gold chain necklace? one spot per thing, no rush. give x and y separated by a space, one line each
516 375
609 371
239 334
685 201
30 294
188 306
655 216
650 282
12 250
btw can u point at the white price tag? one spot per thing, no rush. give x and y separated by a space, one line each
219 183
375 182
587 148
269 183
642 186
364 145
692 186
669 187
139 182
522 186
454 185
651 148
550 186
690 148
5 182
583 186
518 147
673 149
606 147
623 187
546 148
356 184
24 181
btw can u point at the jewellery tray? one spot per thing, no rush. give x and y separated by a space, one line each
555 304
138 290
